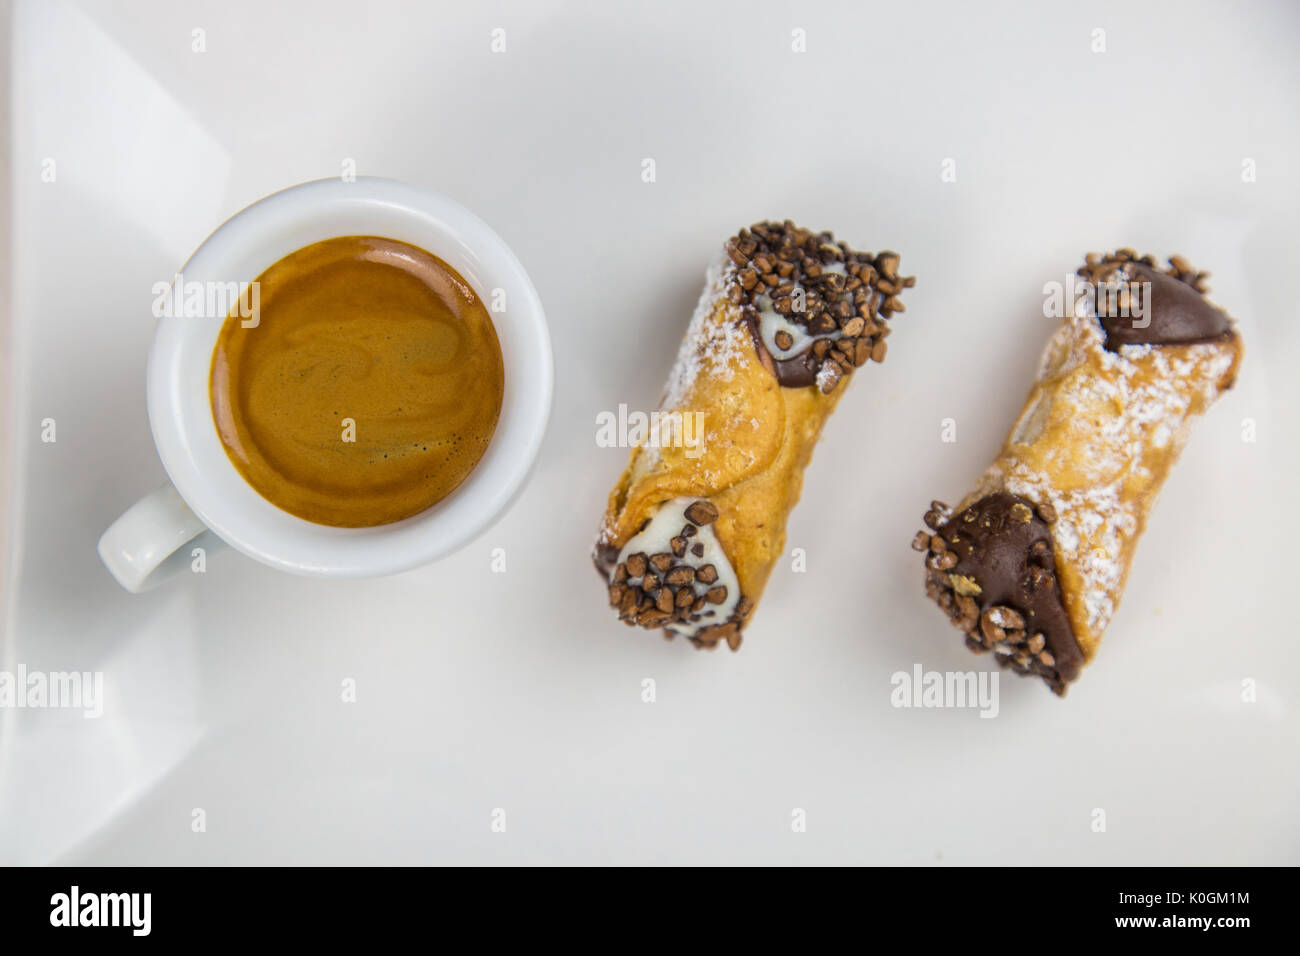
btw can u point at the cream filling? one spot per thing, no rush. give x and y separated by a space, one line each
656 538
771 322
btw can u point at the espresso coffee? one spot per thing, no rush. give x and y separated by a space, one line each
365 390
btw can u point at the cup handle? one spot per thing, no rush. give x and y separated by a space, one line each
144 546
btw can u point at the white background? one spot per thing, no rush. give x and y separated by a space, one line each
520 691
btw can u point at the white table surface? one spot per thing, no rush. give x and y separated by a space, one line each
479 691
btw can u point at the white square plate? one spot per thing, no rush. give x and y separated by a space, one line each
483 695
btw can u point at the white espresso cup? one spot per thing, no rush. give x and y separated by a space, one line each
208 501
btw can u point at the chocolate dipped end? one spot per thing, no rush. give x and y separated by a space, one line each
604 557
813 286
797 372
1154 307
992 568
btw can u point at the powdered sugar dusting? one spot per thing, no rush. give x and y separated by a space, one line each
1118 407
709 347
825 375
714 347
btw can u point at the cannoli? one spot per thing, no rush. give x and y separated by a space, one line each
1031 565
693 528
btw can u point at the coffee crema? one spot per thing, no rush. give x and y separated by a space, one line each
369 387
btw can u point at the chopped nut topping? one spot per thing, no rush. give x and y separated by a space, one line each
679 576
665 589
702 512
1099 269
840 296
997 627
